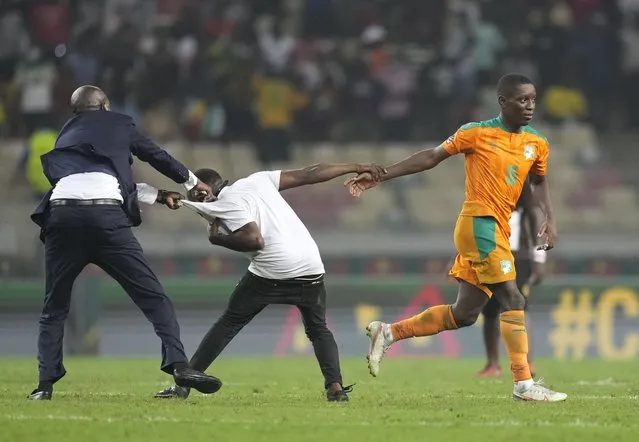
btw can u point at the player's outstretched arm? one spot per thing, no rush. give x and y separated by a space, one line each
541 196
319 173
418 162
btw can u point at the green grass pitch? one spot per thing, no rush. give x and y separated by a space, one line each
107 399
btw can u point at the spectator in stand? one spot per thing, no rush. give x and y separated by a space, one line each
276 100
36 76
398 80
276 45
564 101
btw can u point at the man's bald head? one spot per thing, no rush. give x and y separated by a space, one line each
89 98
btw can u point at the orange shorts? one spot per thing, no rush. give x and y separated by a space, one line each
483 253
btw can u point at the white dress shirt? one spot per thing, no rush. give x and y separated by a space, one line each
98 185
289 249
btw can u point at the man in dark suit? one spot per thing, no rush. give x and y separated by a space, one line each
87 218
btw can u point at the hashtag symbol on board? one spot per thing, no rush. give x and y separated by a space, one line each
572 319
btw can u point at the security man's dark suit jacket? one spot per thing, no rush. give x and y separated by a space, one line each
101 141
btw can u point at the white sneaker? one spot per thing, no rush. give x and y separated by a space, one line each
381 340
537 392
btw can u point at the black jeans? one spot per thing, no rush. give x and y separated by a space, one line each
75 236
249 298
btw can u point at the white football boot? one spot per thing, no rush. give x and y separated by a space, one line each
381 339
535 391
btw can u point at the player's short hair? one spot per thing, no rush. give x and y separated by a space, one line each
509 82
210 177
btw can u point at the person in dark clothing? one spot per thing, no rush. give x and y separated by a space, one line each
86 217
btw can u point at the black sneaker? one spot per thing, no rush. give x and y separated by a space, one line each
339 395
173 392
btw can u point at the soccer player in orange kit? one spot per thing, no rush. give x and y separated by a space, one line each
498 154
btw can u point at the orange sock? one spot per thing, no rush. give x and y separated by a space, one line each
515 336
429 322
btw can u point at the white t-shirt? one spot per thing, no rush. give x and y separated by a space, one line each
289 250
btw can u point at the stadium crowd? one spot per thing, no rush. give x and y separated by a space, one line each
273 79
315 70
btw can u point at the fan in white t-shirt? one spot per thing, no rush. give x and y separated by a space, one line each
250 216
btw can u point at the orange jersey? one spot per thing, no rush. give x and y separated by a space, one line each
497 163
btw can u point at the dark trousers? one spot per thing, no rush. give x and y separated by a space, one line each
76 236
524 270
249 298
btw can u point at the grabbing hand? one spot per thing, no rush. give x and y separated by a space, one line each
375 170
202 192
356 185
548 232
169 199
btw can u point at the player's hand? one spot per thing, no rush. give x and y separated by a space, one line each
548 233
375 170
202 192
356 185
537 274
169 199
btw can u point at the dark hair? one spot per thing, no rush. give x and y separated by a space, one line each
212 178
509 82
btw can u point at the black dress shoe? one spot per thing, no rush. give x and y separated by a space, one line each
172 392
339 395
189 378
40 395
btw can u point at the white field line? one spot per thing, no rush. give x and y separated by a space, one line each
608 382
160 419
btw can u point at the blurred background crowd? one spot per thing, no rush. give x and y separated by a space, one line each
338 70
243 85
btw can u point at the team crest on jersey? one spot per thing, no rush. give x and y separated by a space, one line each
529 152
506 266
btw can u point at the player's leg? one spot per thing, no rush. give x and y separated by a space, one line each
313 311
513 327
470 301
65 257
515 336
490 331
463 313
496 270
244 304
524 270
